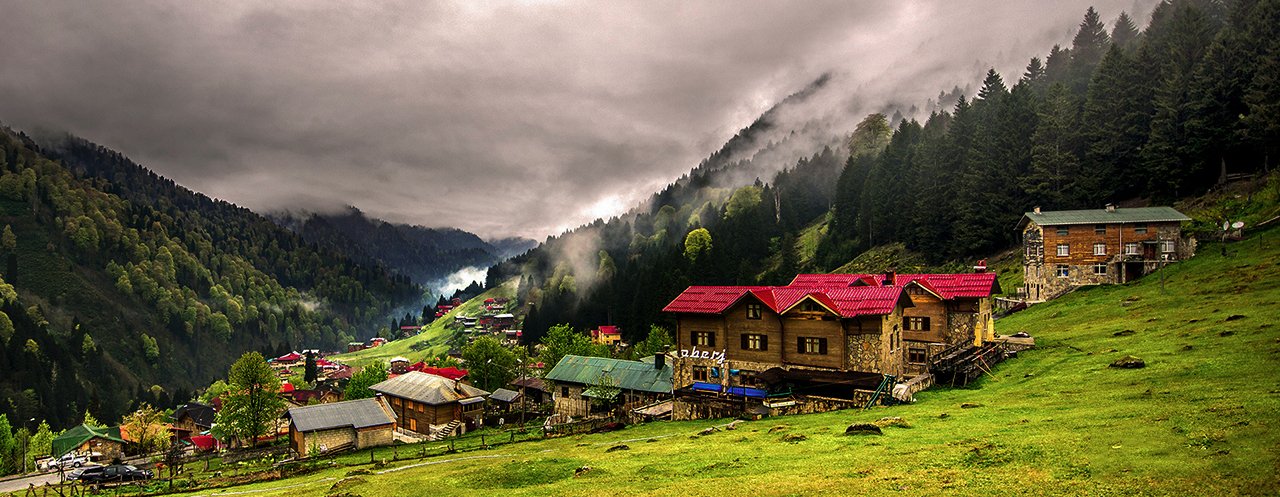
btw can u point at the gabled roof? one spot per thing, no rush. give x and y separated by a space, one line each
505 395
201 414
629 375
75 437
1161 214
946 285
361 413
427 388
845 301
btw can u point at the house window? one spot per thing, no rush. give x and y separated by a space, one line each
916 355
564 392
422 407
1100 229
810 307
1099 249
753 311
1131 249
1100 269
1062 271
810 345
704 338
1140 228
755 341
1064 230
747 378
912 323
700 373
1166 246
1064 250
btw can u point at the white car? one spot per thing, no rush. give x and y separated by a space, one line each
69 460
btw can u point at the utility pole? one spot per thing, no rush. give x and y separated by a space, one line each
26 441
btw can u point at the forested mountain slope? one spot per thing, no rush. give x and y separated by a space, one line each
122 286
1122 115
426 255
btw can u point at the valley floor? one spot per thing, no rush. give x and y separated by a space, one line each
1200 419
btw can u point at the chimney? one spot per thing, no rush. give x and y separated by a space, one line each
890 278
1111 207
660 361
1036 209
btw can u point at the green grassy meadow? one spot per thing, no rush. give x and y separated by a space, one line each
434 340
1201 419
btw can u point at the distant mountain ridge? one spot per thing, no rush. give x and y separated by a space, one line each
427 256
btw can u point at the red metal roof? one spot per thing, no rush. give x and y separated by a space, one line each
949 286
844 300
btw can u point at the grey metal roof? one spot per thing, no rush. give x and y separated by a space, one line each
505 395
361 413
629 375
1102 216
427 388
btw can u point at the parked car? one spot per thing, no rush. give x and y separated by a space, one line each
114 473
75 475
68 460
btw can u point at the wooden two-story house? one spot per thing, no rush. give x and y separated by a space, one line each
1067 249
947 309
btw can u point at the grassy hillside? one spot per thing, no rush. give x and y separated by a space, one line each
1200 419
434 340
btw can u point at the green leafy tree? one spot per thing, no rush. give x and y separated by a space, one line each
6 328
697 243
655 342
562 340
252 402
149 347
87 345
8 240
489 364
8 463
146 427
41 443
89 420
370 375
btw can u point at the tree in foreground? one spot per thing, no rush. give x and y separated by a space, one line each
146 427
358 387
656 342
489 365
562 340
252 401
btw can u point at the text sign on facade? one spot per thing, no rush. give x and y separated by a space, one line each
694 353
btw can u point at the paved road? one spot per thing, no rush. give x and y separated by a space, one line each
18 484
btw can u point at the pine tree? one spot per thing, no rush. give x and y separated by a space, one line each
1087 48
1056 180
1125 32
1117 120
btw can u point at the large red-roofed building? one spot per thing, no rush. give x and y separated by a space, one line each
842 331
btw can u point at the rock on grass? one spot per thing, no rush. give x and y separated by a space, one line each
863 429
1129 362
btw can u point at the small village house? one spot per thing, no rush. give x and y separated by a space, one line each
1063 250
399 365
352 424
612 383
427 403
534 389
102 444
504 400
606 335
192 419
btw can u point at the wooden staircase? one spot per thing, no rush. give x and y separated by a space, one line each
448 429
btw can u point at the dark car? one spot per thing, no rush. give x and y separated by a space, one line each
114 473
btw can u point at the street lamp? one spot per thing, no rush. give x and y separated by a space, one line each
25 442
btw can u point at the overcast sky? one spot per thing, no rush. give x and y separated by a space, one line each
519 118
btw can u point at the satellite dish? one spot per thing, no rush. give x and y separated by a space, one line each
1237 224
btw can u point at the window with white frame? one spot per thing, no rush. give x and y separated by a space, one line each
1166 246
1100 269
1099 249
1140 228
1100 229
1062 271
1131 249
1064 250
1064 230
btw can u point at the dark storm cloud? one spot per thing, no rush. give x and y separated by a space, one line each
520 118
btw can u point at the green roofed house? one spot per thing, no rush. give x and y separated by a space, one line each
1063 250
612 383
102 444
